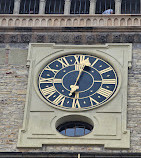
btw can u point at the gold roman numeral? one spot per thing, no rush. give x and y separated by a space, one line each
82 58
93 100
109 81
59 99
105 70
75 103
49 91
46 80
104 92
76 59
50 80
78 67
64 62
50 69
94 62
56 80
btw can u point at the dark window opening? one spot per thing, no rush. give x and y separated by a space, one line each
29 7
130 7
80 6
54 7
75 129
103 5
6 6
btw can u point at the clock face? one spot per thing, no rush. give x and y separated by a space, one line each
77 82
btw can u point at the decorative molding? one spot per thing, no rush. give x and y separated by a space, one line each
25 38
71 38
69 20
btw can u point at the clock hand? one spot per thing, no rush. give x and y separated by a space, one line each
83 64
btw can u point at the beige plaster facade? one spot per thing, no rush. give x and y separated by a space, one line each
109 121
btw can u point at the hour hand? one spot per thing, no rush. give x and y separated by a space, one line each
73 89
86 62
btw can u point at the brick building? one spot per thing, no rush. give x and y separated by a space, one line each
65 22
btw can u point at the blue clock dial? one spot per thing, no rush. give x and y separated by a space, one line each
77 82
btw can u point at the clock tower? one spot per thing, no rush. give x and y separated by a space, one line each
70 77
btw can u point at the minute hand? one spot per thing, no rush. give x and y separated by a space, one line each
83 64
80 72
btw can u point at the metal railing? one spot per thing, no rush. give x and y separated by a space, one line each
29 7
54 7
80 6
77 6
103 5
130 7
6 6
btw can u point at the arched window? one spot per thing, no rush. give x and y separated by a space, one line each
102 5
54 7
80 6
6 6
29 7
130 7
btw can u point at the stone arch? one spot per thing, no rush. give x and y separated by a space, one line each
136 22
56 22
75 22
88 22
43 22
30 22
95 22
69 22
37 22
17 22
116 22
10 22
82 22
24 22
129 22
101 22
122 22
3 22
62 22
49 23
109 22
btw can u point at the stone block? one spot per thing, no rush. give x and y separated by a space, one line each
17 57
2 56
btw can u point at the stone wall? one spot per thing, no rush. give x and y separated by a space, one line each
13 84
